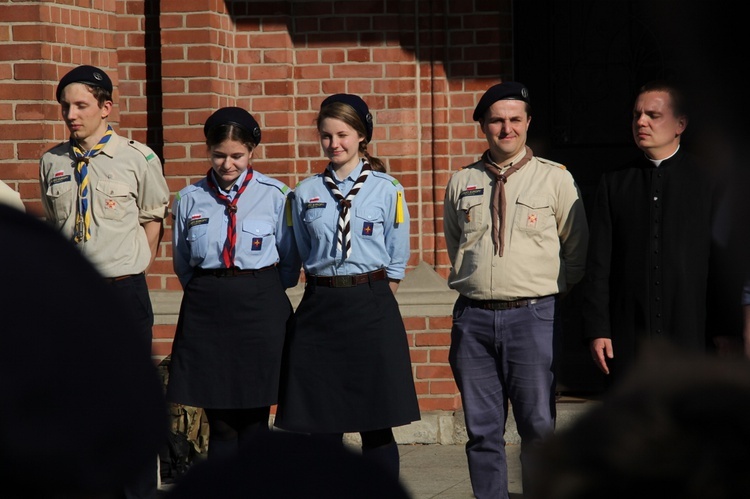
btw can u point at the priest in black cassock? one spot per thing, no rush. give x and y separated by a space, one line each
651 241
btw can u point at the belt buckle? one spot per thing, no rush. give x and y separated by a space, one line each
342 281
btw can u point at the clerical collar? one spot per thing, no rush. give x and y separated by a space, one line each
657 162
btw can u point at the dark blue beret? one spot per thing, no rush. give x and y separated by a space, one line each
235 116
89 75
359 106
505 90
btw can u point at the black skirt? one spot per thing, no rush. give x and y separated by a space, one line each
347 366
229 341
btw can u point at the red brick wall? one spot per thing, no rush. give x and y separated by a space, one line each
420 65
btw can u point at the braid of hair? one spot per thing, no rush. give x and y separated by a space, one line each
376 163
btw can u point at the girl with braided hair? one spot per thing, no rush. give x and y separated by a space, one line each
347 368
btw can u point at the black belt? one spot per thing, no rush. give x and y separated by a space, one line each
231 272
346 281
121 277
503 305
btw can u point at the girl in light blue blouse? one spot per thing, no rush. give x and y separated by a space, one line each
234 253
348 367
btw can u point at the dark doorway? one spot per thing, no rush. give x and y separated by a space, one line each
582 61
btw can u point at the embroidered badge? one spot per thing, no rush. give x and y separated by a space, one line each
309 206
59 180
313 200
367 229
196 216
531 220
471 190
110 204
199 221
59 173
257 244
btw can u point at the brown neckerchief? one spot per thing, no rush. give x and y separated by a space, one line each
498 195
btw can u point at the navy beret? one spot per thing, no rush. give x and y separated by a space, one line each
89 75
235 116
359 106
506 90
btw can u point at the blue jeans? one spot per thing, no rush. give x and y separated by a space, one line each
499 356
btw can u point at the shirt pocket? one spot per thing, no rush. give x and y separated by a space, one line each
259 233
113 199
471 213
198 241
533 213
62 197
368 223
315 223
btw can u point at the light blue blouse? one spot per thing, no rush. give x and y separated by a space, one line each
264 234
377 240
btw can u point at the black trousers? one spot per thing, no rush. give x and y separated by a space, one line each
135 299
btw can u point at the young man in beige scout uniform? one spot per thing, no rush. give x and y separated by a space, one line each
516 235
108 195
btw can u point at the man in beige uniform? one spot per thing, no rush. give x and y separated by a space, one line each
516 236
108 195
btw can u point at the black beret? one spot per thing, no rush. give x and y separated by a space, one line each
359 106
506 90
89 75
235 116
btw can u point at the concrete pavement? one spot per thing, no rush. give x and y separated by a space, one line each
432 468
440 471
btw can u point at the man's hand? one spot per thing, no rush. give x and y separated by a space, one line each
601 350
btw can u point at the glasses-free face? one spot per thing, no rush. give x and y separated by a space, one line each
84 118
340 143
228 160
505 126
656 129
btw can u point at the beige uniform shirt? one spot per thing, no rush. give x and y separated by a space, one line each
546 233
10 197
126 188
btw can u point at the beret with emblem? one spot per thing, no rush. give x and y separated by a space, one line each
359 106
506 90
90 75
234 116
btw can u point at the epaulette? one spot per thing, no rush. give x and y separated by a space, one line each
147 152
306 179
185 191
384 176
551 163
270 181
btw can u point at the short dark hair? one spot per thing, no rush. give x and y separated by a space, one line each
679 106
